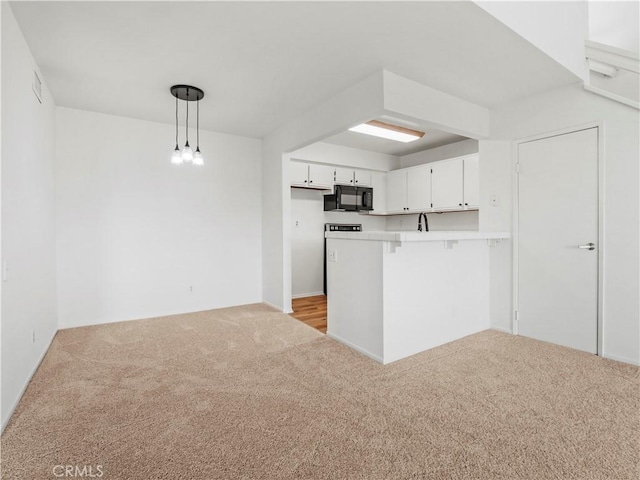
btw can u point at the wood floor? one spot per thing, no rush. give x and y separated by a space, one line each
312 311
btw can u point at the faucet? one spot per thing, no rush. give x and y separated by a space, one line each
426 223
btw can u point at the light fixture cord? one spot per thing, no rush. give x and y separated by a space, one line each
187 129
176 121
198 124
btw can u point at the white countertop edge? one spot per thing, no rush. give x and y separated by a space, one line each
406 236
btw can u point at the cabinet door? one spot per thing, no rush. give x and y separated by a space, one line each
419 188
299 174
379 185
362 178
446 185
471 188
320 176
396 191
344 176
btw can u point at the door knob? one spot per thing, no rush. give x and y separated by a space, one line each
588 246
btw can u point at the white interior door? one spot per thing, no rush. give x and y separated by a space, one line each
557 226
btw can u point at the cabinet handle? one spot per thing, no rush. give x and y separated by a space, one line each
305 181
466 204
460 204
310 181
356 181
351 181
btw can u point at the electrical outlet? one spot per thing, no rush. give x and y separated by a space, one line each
33 336
333 256
495 200
191 288
5 271
297 223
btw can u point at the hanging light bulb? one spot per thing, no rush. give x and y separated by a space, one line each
176 158
187 155
197 158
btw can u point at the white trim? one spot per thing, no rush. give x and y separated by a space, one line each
617 57
611 49
621 359
601 242
6 421
612 96
599 126
515 292
280 309
501 329
355 347
305 295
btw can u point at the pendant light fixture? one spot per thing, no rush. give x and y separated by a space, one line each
187 93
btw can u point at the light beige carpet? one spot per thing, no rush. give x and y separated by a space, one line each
249 393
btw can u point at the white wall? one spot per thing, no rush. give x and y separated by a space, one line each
135 233
495 180
28 225
457 149
353 157
559 29
615 23
560 109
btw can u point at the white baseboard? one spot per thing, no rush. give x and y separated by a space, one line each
5 421
305 295
621 359
500 329
358 349
277 307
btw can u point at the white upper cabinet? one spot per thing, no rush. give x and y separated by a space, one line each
321 176
299 174
344 176
362 178
311 175
446 185
349 176
409 190
442 186
471 181
396 191
419 188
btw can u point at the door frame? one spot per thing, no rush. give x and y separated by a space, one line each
600 129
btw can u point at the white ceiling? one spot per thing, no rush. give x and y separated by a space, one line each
261 64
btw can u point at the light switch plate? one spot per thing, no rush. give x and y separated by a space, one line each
333 256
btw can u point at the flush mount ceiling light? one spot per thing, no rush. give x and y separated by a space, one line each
187 93
390 132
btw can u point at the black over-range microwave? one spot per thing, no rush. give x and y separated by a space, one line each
349 198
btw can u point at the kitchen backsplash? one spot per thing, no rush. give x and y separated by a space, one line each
437 221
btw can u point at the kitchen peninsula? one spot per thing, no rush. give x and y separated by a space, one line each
395 294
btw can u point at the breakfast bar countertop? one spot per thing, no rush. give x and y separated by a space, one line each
415 236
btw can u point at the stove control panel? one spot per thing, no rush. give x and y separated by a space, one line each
342 227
